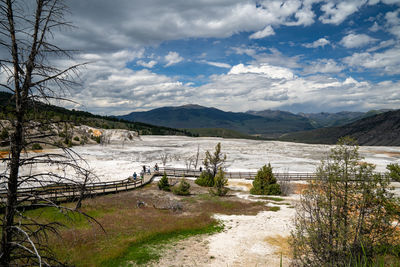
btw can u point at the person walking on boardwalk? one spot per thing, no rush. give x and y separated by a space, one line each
148 170
134 176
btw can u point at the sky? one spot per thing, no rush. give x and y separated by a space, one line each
235 55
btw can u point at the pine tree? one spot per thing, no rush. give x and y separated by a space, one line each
212 162
219 184
265 182
182 189
163 184
394 171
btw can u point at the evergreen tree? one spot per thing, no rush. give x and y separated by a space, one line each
265 182
346 214
394 171
182 189
205 179
212 162
163 184
219 184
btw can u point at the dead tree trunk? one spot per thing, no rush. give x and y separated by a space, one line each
33 80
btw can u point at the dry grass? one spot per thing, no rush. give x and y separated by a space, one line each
298 188
387 153
240 184
127 225
4 154
281 243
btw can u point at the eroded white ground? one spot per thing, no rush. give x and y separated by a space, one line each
119 161
245 241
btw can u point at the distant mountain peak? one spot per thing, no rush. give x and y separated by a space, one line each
196 116
191 106
382 129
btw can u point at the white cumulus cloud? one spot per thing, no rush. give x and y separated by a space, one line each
321 42
173 58
323 66
387 61
149 64
357 40
335 12
216 64
266 70
393 22
267 31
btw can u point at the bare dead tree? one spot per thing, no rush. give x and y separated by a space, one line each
88 177
164 158
196 161
189 161
29 73
285 183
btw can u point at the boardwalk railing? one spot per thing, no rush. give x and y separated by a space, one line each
61 192
292 176
298 176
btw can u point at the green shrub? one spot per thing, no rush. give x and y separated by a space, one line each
163 184
68 142
205 179
36 146
274 189
394 171
76 138
340 218
182 189
219 184
4 134
265 182
96 138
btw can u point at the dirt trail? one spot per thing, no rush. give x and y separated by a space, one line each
246 240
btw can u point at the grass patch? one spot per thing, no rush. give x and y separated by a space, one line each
134 235
277 199
274 208
150 248
215 204
66 218
281 203
138 235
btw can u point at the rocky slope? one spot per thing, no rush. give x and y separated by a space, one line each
378 130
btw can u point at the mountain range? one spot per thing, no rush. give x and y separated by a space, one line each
195 116
377 130
273 124
39 111
376 127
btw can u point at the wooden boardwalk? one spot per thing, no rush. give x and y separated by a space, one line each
298 176
71 192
